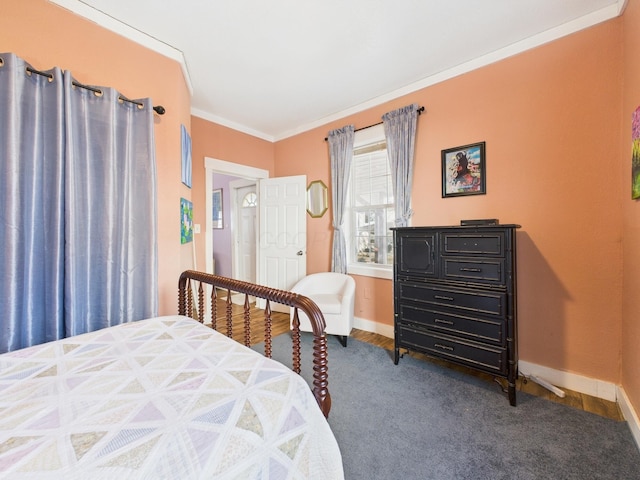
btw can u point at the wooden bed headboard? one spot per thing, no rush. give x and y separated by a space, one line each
298 302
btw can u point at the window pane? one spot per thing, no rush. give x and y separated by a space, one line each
250 200
373 238
361 186
371 208
371 181
391 221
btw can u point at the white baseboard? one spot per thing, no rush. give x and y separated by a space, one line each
630 415
572 381
373 327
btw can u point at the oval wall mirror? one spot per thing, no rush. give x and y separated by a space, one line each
317 198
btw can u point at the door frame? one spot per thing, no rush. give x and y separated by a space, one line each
211 166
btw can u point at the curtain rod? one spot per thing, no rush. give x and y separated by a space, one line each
159 109
420 111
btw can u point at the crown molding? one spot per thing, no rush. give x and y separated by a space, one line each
586 21
116 26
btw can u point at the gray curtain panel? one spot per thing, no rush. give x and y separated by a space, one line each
341 152
78 217
400 133
31 205
110 207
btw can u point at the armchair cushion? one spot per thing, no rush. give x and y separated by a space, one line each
334 293
327 302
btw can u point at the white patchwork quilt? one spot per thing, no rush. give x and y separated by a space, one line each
163 398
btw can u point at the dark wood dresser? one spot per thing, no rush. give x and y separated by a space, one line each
455 296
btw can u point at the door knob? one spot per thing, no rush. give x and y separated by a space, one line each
299 252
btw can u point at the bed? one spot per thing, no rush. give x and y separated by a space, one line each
167 397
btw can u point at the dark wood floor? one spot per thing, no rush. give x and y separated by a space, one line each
280 325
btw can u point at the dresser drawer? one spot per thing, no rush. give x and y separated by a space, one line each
460 325
485 270
483 357
480 301
473 243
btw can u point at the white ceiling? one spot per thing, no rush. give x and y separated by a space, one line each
276 68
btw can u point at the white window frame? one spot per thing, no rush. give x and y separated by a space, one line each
363 137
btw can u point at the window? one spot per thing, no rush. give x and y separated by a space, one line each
370 207
250 200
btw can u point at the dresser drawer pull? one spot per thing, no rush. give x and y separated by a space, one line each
464 269
442 297
443 347
446 322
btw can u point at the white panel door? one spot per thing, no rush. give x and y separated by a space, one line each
245 236
283 232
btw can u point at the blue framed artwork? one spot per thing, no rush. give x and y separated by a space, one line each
186 156
186 221
216 202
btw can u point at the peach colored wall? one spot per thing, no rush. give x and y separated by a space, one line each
221 143
631 210
551 120
46 35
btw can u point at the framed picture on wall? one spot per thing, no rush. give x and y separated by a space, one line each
635 154
186 221
464 170
185 170
216 202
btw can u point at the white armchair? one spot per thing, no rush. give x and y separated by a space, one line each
334 293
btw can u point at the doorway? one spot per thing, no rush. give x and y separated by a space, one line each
213 166
280 254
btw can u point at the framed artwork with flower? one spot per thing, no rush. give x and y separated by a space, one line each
186 221
464 170
635 154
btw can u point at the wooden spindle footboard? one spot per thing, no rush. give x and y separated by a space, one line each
298 302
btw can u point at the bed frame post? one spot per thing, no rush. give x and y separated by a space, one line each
320 365
214 309
247 321
267 329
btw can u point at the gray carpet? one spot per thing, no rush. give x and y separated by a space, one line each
418 420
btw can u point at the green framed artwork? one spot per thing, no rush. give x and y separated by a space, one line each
186 221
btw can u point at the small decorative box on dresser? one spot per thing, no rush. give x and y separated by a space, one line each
455 296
